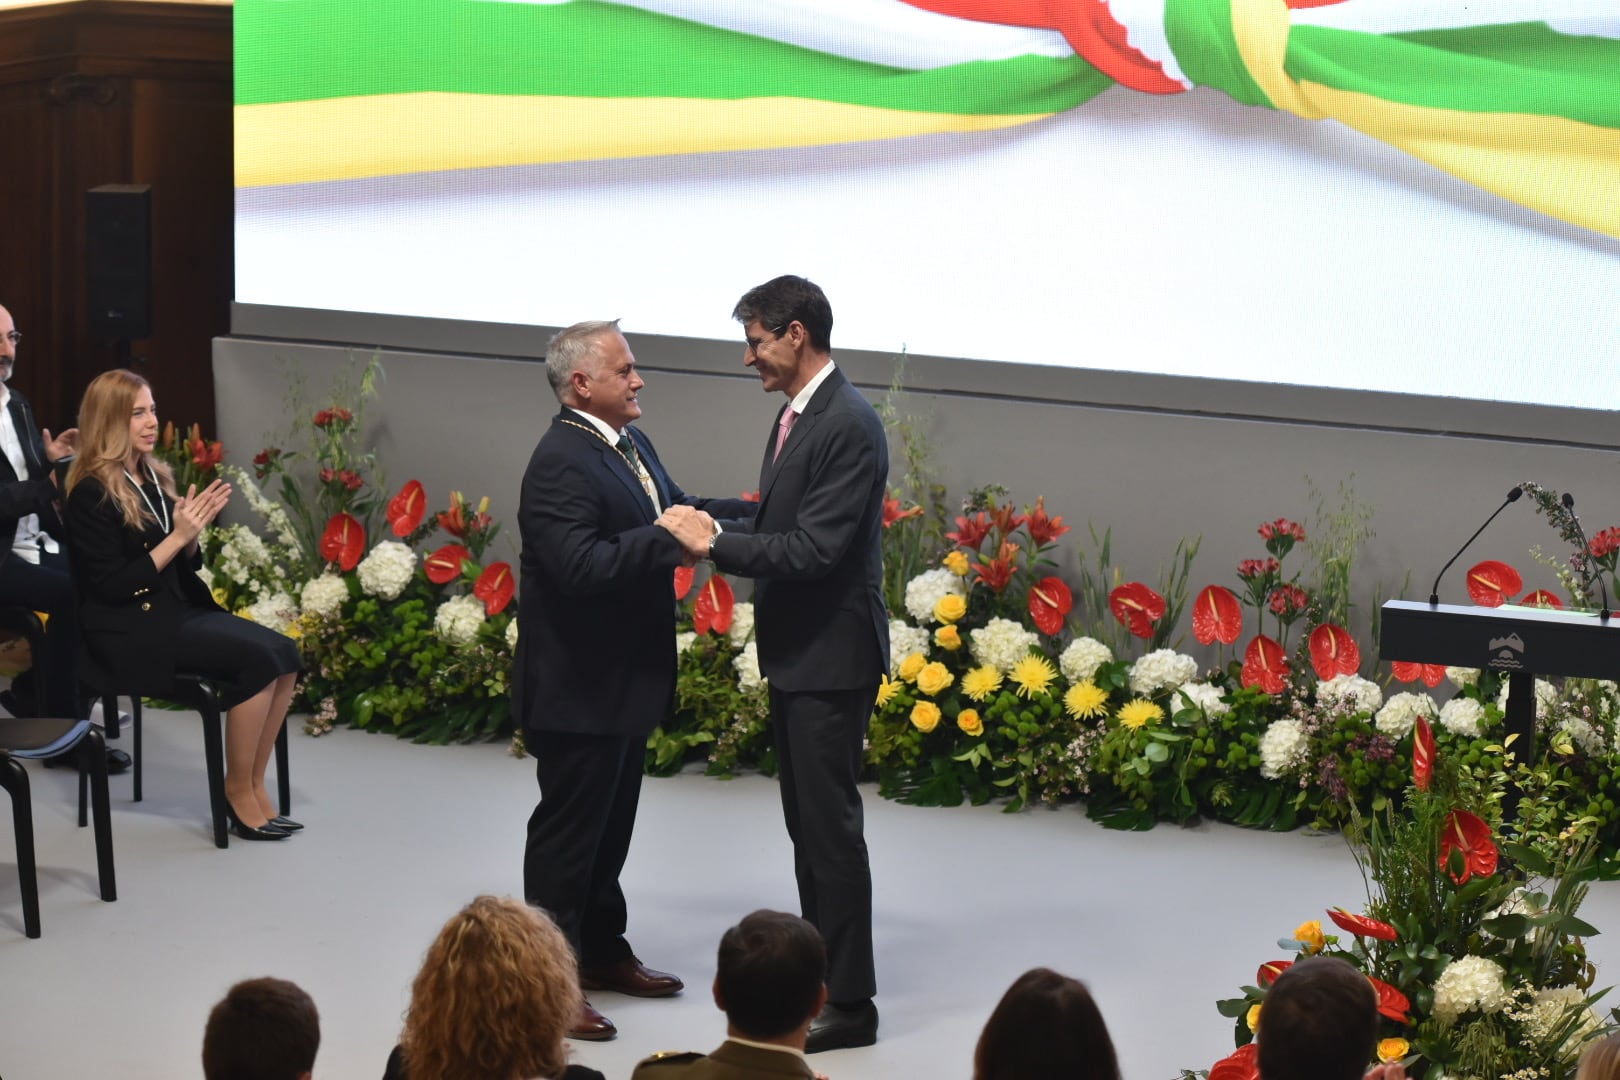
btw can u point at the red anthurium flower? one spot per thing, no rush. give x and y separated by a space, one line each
1137 607
1042 529
1431 674
1006 518
495 587
1541 598
405 510
892 512
1270 970
1391 1002
998 571
1361 925
1334 652
343 542
1049 601
444 565
1217 616
1422 754
1241 1065
683 581
970 532
712 610
1265 665
1470 835
1492 583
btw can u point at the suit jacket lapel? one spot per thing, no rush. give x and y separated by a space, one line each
800 433
612 461
649 462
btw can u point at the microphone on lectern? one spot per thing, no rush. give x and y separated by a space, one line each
1586 553
1512 497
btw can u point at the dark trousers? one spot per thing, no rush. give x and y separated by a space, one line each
819 737
579 836
48 588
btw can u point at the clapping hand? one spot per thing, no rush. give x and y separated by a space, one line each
194 511
691 527
62 445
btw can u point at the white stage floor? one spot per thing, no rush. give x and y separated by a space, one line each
1160 924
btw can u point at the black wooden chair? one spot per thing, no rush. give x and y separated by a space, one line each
35 739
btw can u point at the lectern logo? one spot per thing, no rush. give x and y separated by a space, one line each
1507 653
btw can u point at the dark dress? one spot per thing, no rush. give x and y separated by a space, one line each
140 624
395 1070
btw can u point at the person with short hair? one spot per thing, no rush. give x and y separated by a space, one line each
1319 1021
1046 1025
770 981
263 1029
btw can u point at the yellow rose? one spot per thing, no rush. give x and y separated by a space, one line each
948 638
957 563
911 665
1391 1050
1309 934
970 722
1253 1018
949 608
934 677
925 716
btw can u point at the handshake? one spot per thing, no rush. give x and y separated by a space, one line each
692 528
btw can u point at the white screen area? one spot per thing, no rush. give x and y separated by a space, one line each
1178 234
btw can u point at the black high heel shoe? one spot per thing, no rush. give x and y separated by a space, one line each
267 831
286 824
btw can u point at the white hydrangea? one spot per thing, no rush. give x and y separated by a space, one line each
1463 716
1463 677
1201 695
1517 903
742 624
1163 669
323 596
1400 712
511 635
684 640
387 569
1082 658
1364 695
1001 643
747 664
278 611
458 618
1283 749
927 588
905 639
1583 735
1469 983
1546 697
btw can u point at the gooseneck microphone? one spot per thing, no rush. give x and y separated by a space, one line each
1586 553
1434 591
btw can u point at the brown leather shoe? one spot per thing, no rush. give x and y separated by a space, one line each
630 976
592 1026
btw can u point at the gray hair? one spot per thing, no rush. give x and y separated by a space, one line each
569 347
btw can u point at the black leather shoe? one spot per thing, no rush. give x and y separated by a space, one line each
248 832
838 1029
286 824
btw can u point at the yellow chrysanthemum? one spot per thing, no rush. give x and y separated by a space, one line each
925 716
1392 1050
1309 934
957 563
1253 1018
948 638
1139 711
911 665
981 682
949 608
970 722
1085 701
887 689
934 677
1033 675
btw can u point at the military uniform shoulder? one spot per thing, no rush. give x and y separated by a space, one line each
670 1057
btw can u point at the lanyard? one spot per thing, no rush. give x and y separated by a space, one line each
160 512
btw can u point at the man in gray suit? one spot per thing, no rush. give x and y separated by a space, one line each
814 548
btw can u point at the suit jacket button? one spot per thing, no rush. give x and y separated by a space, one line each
146 605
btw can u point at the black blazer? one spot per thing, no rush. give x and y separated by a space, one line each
32 493
128 609
395 1069
814 546
596 603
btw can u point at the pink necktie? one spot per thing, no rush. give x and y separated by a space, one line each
783 426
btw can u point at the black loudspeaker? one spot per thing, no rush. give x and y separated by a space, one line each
118 261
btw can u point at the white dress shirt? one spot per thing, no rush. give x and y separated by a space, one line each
29 537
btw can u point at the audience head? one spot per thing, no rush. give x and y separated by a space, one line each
782 301
1319 1021
496 995
1601 1060
9 337
263 1029
1045 1025
771 975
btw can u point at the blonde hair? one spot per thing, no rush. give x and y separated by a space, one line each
497 993
104 415
1601 1061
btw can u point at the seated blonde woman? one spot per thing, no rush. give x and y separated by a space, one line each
497 992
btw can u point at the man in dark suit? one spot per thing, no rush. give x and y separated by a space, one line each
595 665
769 981
814 549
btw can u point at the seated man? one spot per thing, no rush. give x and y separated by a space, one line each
263 1029
770 982
1319 1021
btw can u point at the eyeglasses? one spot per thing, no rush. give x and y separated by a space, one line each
13 336
776 334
